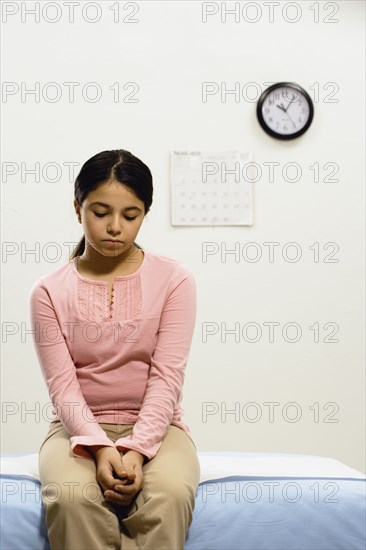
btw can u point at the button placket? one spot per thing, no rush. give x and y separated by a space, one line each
111 308
94 301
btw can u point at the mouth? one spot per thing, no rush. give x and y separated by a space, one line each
112 241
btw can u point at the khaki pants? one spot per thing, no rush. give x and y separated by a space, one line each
79 518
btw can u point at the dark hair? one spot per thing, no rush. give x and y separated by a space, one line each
118 165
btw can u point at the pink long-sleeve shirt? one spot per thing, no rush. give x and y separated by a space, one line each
119 365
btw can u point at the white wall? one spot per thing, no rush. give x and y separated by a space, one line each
169 52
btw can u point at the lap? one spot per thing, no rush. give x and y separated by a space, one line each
175 463
56 461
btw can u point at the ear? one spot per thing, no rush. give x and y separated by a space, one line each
77 207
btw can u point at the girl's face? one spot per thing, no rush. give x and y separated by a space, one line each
114 212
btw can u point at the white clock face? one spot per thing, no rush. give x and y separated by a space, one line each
285 110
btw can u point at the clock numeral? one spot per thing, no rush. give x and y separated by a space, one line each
294 97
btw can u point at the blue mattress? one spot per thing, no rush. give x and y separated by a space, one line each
236 512
279 514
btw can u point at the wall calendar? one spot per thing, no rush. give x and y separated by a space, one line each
211 188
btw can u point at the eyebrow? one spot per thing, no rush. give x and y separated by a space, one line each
108 206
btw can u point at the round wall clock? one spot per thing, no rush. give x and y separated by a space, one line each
285 110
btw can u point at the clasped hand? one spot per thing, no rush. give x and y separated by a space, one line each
128 468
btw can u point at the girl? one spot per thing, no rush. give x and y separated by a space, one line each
112 330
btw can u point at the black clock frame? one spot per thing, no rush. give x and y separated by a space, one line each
264 96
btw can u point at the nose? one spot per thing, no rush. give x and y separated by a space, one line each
114 226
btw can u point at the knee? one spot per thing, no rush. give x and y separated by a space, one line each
178 493
67 494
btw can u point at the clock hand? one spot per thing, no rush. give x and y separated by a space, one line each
294 125
281 107
293 97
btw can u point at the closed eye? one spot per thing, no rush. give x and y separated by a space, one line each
127 217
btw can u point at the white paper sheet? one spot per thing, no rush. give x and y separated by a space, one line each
212 188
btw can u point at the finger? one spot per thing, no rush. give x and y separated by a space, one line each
118 486
135 474
139 476
128 473
117 498
108 482
120 474
120 489
130 478
121 482
127 489
110 477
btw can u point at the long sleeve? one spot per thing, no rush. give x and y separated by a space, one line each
167 369
59 373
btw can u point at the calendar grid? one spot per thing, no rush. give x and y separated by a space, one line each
211 188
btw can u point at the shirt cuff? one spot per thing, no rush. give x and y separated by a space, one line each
80 443
126 444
